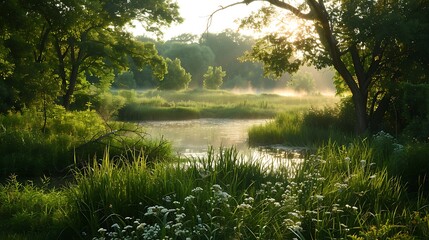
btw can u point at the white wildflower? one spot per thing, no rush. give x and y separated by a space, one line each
141 226
197 190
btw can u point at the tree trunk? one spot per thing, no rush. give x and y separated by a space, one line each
360 103
72 80
70 88
359 89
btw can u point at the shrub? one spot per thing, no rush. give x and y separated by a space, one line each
213 78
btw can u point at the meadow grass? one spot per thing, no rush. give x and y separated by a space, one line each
191 104
134 189
337 193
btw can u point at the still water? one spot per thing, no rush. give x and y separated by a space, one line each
195 136
192 138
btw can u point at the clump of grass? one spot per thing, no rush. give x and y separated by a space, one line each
129 188
302 128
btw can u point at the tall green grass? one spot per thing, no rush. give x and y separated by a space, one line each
28 211
309 128
108 190
337 194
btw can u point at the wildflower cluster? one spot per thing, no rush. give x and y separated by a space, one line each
178 220
272 201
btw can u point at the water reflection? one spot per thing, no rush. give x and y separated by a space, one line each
192 138
195 136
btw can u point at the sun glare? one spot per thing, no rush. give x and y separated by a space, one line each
197 20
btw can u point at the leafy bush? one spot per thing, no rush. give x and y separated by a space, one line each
27 151
408 162
108 105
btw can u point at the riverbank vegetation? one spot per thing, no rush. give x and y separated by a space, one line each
32 145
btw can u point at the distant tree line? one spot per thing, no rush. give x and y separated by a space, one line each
199 55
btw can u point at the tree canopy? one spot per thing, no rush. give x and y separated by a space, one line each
373 45
176 78
213 78
48 47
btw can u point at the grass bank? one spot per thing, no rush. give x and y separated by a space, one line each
191 104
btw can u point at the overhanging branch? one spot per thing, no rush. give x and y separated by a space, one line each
292 9
277 3
210 19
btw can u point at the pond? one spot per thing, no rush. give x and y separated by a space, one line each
192 138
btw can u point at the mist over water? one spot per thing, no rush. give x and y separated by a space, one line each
192 138
285 92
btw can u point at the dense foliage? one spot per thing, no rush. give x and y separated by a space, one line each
225 50
31 147
49 48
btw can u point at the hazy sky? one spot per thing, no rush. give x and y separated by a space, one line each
197 12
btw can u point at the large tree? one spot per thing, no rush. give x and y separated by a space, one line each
372 44
65 40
